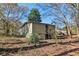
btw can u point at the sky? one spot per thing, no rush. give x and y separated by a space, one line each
32 5
47 19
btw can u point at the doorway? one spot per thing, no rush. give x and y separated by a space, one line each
46 31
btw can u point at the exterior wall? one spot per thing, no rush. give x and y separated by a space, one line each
39 29
51 30
23 30
29 30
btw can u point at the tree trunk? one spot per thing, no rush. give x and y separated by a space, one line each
68 31
77 20
7 29
77 30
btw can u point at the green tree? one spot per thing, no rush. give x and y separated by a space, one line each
34 16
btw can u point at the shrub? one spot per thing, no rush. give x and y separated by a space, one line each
34 38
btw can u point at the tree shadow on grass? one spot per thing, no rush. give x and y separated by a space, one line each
20 42
13 50
22 48
66 52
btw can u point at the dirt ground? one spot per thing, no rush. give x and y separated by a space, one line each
64 47
70 49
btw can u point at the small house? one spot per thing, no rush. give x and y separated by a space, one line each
45 31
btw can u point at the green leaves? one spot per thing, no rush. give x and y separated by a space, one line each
34 16
34 38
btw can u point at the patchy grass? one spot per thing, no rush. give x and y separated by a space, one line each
20 47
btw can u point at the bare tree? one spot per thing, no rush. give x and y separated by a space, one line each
12 15
76 6
62 15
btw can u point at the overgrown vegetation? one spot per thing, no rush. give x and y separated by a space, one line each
34 38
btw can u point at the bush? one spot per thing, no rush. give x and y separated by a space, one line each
34 38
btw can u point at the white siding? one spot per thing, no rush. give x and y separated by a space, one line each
29 30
